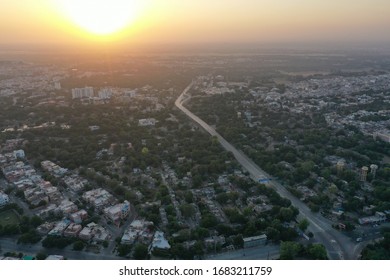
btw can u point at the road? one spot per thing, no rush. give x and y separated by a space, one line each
337 244
268 252
10 245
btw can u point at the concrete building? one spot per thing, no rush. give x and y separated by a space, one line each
255 241
45 228
4 199
373 168
147 122
86 233
379 217
159 242
75 182
86 92
117 212
59 228
213 241
53 168
55 258
98 198
19 154
53 193
51 209
105 93
57 85
67 207
79 216
138 230
72 230
95 232
101 234
363 174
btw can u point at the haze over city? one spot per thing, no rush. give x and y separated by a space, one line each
132 23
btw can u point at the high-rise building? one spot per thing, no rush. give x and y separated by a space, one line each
105 93
86 92
363 173
373 168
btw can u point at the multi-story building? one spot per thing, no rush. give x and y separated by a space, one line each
98 198
79 216
53 168
363 173
117 212
59 228
4 199
72 230
86 92
67 207
105 93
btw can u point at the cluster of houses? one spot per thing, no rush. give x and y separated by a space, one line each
72 228
143 231
50 202
24 177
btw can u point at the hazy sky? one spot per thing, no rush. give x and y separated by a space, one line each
207 21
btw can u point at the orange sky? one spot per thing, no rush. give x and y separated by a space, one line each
206 21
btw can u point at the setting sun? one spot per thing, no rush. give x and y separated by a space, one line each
101 17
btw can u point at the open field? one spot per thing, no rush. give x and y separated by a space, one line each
8 217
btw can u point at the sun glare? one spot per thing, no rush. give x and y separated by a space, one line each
101 17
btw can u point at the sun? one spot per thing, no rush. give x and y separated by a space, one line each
101 17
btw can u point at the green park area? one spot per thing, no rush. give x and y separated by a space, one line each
9 217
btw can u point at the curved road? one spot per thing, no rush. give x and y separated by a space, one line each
338 245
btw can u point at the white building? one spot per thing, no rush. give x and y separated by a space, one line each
159 242
255 241
147 122
86 92
57 85
105 93
19 154
55 258
4 199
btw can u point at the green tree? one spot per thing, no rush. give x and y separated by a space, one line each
140 252
187 210
289 250
78 245
238 241
209 221
286 214
303 225
316 252
41 256
36 221
30 237
123 250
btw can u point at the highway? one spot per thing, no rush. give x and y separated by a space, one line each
337 244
